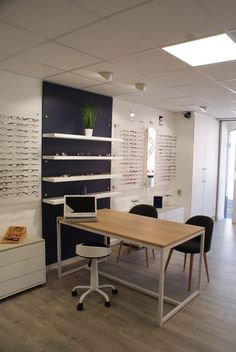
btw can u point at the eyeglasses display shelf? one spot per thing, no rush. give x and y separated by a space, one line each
98 195
81 137
80 178
81 157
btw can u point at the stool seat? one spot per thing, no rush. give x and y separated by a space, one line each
93 251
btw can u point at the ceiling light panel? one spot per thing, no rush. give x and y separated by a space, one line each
219 48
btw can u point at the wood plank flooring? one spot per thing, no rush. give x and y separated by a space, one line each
45 319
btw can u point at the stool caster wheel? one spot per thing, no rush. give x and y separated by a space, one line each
114 291
107 304
74 293
80 306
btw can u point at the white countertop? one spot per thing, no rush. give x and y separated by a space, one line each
169 207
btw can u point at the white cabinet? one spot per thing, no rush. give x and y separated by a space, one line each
171 213
197 163
22 266
205 163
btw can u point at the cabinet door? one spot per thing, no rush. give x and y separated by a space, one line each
176 215
198 165
162 215
211 165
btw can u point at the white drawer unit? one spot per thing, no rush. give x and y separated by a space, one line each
171 213
22 266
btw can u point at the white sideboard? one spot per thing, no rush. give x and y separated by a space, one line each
22 266
171 213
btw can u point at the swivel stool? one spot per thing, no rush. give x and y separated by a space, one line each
93 251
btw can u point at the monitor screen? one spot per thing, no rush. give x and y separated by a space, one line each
79 205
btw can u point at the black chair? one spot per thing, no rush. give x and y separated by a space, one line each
143 210
193 246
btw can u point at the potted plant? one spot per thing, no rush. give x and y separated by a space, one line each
89 113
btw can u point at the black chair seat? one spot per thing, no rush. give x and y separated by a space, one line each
191 246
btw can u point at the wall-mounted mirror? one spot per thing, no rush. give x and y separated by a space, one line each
151 149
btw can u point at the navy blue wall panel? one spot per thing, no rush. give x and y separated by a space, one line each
62 114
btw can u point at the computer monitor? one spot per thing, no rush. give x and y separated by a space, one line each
80 207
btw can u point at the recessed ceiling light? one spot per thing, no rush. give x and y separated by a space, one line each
132 115
140 86
218 48
203 108
106 75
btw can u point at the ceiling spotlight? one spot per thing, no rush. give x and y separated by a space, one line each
132 115
203 108
106 75
140 86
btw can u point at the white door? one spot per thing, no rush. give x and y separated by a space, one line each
198 165
211 166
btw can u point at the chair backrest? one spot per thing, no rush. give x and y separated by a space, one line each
203 221
144 210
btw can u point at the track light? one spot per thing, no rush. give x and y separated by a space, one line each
203 108
106 75
140 86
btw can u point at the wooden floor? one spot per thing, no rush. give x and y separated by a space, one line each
45 319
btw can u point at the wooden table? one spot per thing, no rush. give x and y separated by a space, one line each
154 233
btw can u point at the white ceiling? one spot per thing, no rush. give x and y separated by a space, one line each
70 41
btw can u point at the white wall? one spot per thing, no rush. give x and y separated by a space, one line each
145 116
20 96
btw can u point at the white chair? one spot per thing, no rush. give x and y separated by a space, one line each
93 251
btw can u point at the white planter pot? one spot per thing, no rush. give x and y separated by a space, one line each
88 132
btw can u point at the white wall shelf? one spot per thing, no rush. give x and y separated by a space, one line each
81 137
98 195
80 178
80 157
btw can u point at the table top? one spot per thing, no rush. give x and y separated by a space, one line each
136 228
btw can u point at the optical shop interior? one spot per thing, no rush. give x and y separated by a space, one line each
117 175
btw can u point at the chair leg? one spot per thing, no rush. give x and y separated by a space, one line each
190 271
153 253
185 259
118 255
206 266
146 250
129 248
168 259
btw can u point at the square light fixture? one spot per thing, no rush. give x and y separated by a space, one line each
218 48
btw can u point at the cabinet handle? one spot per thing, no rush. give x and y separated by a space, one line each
204 174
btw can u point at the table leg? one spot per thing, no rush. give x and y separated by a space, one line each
59 249
200 261
161 287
